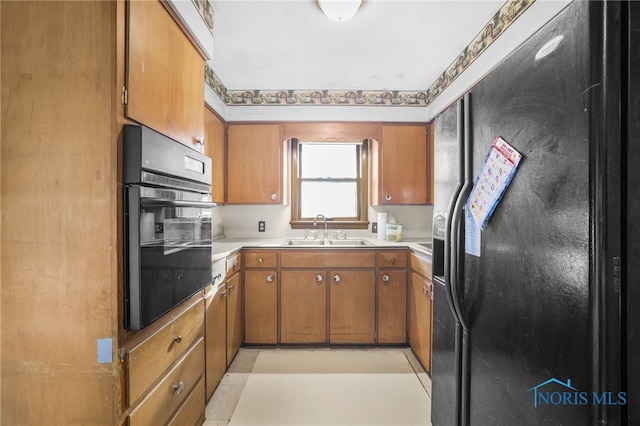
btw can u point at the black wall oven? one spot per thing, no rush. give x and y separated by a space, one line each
167 224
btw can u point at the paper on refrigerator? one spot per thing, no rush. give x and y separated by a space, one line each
495 175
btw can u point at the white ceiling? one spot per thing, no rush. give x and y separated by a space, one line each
387 45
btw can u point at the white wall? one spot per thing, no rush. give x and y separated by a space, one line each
241 221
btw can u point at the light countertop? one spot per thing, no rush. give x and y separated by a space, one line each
226 246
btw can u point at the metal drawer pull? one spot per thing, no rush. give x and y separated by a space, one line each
231 287
224 293
393 260
177 339
336 278
385 278
424 290
177 389
270 278
319 278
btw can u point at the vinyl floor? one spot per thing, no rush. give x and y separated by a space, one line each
322 387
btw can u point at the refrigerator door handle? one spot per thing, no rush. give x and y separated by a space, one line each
457 238
448 262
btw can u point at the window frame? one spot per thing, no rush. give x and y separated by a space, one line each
361 222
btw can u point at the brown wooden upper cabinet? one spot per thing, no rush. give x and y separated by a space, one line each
214 148
401 166
255 164
164 75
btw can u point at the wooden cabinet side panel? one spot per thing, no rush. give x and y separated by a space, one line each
392 307
254 164
303 307
214 147
261 307
352 307
165 74
404 164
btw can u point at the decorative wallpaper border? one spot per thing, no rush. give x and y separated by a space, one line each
206 12
507 14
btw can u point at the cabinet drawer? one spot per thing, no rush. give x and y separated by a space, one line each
261 259
234 263
148 360
421 266
392 259
173 390
192 411
328 259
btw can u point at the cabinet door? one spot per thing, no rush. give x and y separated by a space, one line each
255 164
261 306
352 309
214 148
234 317
401 162
303 307
165 75
392 306
215 336
420 319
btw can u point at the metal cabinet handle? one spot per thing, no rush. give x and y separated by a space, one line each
180 277
270 278
200 140
231 287
336 278
177 389
393 260
260 260
387 197
177 339
319 278
224 293
274 197
424 290
385 278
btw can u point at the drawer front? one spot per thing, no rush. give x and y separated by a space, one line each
163 401
192 411
148 361
261 259
392 259
234 263
328 259
421 266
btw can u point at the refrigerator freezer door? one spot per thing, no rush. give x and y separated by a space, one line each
530 297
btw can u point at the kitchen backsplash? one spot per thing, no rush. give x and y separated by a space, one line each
241 221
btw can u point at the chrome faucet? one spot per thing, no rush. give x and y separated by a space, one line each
315 222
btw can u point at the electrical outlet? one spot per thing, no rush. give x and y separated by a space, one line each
374 227
261 226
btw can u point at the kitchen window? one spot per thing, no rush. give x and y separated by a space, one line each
329 178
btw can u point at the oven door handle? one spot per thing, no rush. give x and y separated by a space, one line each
160 202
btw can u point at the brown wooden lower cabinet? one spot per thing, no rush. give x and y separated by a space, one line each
234 316
261 306
303 306
352 306
392 306
420 310
216 335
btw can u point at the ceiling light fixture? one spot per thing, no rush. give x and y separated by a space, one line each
340 10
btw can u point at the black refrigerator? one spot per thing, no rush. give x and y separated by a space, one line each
535 315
